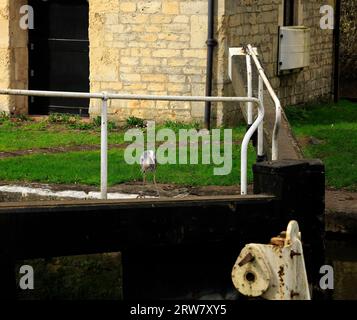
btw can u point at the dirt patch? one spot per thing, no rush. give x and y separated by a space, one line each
136 187
54 150
341 200
341 211
306 141
20 153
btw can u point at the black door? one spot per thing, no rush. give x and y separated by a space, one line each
59 55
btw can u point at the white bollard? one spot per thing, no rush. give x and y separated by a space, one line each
104 149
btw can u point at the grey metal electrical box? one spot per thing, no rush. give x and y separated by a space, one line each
294 48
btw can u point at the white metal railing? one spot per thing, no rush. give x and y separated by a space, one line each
105 96
263 80
251 53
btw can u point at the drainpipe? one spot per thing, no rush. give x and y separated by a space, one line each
337 23
211 43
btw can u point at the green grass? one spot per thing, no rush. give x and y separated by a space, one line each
34 136
335 125
84 168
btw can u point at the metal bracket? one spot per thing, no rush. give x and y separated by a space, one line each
232 52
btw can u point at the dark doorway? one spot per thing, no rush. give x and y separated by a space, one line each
59 55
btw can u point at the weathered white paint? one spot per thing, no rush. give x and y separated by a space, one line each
275 271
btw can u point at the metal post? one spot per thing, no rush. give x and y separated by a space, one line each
211 43
261 126
250 90
104 149
275 143
244 149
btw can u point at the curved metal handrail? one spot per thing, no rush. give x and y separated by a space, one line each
277 124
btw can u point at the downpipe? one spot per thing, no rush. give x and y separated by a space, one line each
211 44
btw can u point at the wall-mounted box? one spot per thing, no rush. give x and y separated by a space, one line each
294 48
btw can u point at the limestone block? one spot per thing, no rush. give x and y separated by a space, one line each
198 31
154 78
129 61
181 19
127 7
149 6
170 7
134 18
193 7
161 19
104 64
166 53
157 86
177 78
198 109
4 34
150 62
195 53
104 5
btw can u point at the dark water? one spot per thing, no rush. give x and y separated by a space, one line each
342 255
99 276
86 277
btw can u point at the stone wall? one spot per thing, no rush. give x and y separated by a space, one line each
158 47
4 53
149 47
13 56
19 57
257 22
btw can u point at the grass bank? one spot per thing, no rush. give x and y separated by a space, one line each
83 167
329 132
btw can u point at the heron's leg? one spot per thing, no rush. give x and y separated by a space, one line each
157 189
140 195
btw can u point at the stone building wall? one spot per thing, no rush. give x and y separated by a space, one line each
149 47
13 55
19 57
4 53
257 22
159 47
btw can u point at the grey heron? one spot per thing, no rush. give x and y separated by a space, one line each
148 163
